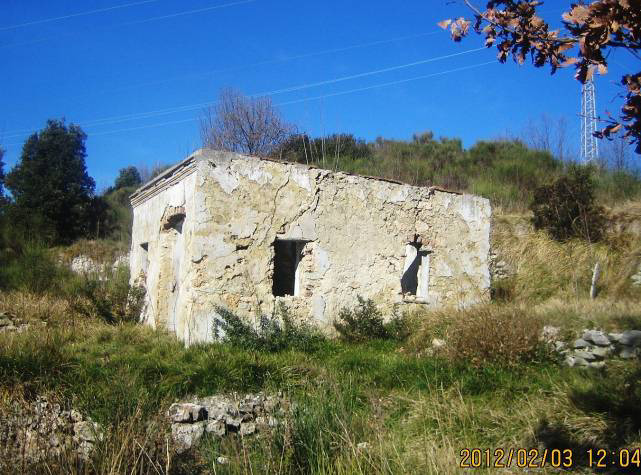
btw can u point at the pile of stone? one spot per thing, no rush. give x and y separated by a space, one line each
636 278
10 323
222 415
499 269
43 430
595 346
85 265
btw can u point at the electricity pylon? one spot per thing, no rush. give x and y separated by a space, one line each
589 144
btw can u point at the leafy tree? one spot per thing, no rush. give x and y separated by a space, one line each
51 189
243 124
128 177
567 209
591 33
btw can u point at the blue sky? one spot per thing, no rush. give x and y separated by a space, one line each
136 74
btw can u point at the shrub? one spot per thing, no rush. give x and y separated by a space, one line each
110 299
277 333
32 268
365 322
497 335
567 209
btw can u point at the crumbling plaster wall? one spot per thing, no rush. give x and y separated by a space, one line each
357 229
163 268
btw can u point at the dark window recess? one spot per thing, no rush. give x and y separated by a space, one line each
409 281
287 255
176 222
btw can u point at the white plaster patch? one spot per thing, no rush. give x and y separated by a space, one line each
244 226
318 308
468 209
252 170
213 246
228 181
400 195
301 178
322 260
304 229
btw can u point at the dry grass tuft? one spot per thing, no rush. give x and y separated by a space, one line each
35 307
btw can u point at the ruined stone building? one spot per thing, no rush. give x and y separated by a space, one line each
221 229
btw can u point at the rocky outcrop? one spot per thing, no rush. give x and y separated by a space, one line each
224 415
9 323
636 278
43 430
594 347
85 265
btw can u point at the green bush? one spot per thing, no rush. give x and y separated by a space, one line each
365 322
277 333
31 267
109 298
567 209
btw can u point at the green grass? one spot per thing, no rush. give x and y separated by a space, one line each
344 393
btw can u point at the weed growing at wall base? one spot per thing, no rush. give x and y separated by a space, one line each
276 333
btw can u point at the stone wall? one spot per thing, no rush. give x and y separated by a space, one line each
354 236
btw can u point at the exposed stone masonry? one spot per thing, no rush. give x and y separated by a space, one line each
222 415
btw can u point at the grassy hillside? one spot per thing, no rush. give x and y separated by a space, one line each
495 385
506 172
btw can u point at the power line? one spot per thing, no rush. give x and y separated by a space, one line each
368 73
136 22
75 15
189 107
279 60
307 99
386 84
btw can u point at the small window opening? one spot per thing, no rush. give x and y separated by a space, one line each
145 257
287 257
176 222
415 278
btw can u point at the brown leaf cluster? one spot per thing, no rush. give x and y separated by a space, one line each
591 32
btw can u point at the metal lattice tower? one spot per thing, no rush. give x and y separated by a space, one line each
589 144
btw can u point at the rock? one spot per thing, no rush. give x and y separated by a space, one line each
602 351
233 423
631 338
550 333
438 343
559 346
573 361
629 353
222 460
362 446
247 428
581 343
5 322
121 261
596 337
217 428
585 355
615 337
597 364
84 265
86 431
185 436
186 412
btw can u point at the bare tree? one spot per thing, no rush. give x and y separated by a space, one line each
616 152
550 135
237 123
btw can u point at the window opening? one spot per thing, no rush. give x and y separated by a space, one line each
415 279
287 257
145 257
